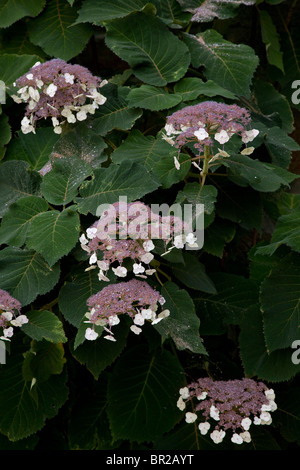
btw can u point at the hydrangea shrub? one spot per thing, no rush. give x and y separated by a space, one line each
117 118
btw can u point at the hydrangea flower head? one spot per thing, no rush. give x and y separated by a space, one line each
134 298
10 315
59 91
232 405
126 232
207 122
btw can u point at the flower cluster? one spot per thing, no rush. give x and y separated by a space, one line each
60 91
208 122
125 231
10 315
134 298
234 405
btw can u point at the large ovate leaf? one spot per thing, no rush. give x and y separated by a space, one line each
43 360
17 220
102 10
153 98
217 235
155 154
11 10
280 146
230 65
88 426
183 324
192 274
114 113
257 361
32 148
16 181
53 234
209 10
142 394
44 325
286 232
55 32
25 274
98 355
81 142
12 66
74 294
128 180
60 185
191 88
263 177
280 302
271 40
155 55
22 412
235 295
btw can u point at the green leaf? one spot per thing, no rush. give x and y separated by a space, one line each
288 405
74 294
171 13
192 274
240 205
54 31
230 65
195 194
287 232
166 172
103 10
191 88
53 234
280 146
16 221
207 11
16 181
186 436
263 177
98 355
142 395
153 98
88 425
43 360
25 274
155 154
155 55
270 38
60 185
12 66
130 180
183 324
11 10
217 235
235 294
5 130
257 361
81 142
280 300
271 101
32 148
44 325
23 413
114 113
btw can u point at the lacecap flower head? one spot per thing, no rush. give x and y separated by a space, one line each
206 123
10 315
125 232
232 405
133 298
60 91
